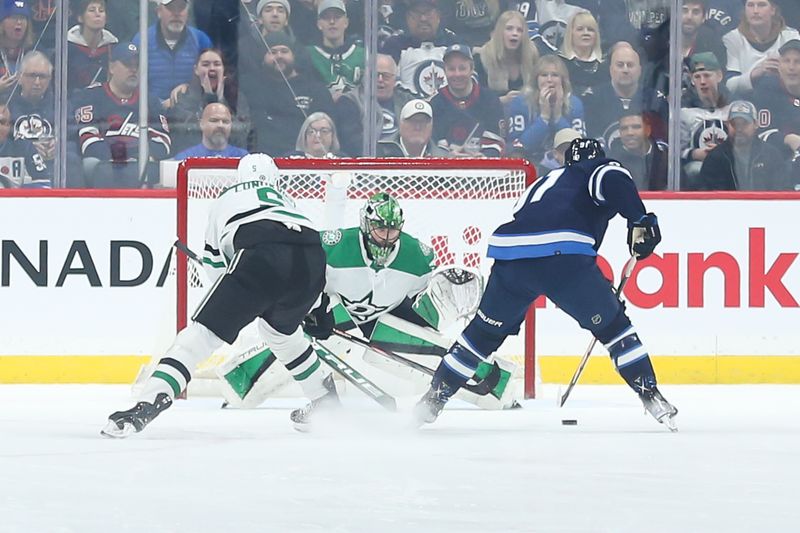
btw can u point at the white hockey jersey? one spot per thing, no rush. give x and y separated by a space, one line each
240 204
422 69
742 57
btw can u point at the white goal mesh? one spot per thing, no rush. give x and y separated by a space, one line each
452 204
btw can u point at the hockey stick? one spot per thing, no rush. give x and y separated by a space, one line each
481 388
335 362
354 376
626 274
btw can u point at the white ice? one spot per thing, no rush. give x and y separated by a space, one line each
734 466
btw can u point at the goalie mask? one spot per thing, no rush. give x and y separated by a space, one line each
381 222
259 167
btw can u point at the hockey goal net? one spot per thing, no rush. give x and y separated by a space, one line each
452 204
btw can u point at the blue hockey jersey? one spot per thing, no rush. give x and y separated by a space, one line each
567 211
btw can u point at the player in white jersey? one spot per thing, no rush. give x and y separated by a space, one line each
268 265
388 286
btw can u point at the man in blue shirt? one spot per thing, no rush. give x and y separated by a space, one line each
173 47
549 248
215 124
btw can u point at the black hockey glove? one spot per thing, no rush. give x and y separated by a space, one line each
644 235
319 322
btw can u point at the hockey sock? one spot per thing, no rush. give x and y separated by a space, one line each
632 360
457 366
296 354
174 371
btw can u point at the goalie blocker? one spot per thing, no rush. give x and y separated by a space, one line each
453 293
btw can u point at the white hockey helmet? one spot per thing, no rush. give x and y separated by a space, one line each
259 167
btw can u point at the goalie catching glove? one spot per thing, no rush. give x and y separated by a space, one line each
319 322
644 235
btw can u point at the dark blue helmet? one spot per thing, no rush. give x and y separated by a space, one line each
583 150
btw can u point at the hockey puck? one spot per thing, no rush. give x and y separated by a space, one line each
569 422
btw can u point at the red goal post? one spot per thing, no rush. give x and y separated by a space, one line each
453 204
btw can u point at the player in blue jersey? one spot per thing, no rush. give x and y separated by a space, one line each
549 247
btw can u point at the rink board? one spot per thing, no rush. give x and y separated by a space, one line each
88 294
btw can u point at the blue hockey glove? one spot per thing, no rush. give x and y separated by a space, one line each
644 235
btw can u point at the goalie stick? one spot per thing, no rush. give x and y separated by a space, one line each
482 387
626 274
332 360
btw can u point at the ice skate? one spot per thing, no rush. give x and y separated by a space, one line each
123 423
302 417
431 404
659 407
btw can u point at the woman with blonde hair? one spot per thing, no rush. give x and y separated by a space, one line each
582 54
548 107
16 38
505 63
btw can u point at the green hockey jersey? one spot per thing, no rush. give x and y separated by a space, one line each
368 290
340 69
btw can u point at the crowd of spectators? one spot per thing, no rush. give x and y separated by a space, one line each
455 78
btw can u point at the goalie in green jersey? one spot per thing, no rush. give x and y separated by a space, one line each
384 282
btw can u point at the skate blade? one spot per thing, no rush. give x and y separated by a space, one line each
113 431
669 421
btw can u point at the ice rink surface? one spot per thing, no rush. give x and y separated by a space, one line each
734 466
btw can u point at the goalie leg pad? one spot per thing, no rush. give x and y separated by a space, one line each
296 354
172 374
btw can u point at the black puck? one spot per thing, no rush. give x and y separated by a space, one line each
569 422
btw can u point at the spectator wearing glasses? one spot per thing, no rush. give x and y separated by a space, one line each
469 118
173 48
33 107
420 51
88 45
317 138
582 54
505 64
753 47
743 162
778 102
413 138
20 163
215 125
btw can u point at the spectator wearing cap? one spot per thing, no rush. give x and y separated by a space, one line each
697 36
16 38
554 158
646 158
338 61
778 101
211 83
472 20
413 138
88 45
469 118
317 138
107 123
281 97
704 112
548 107
173 48
753 47
609 101
215 125
419 52
505 63
33 106
582 54
743 162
